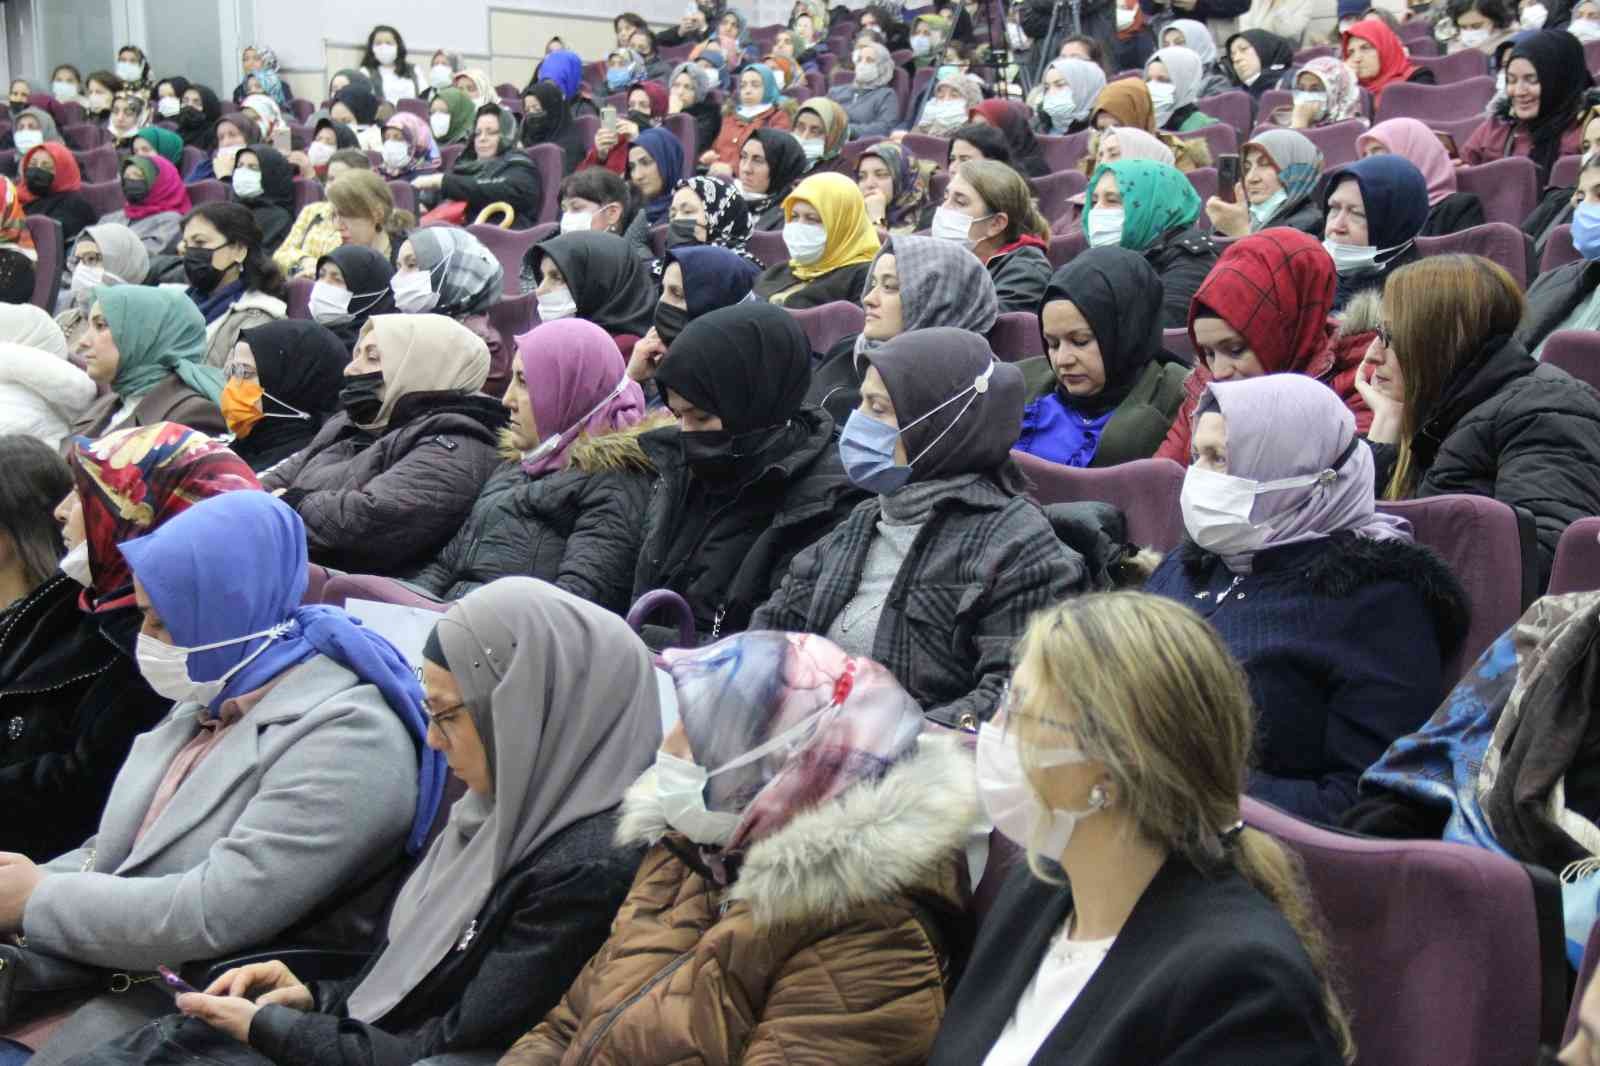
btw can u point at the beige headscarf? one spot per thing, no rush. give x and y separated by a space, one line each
425 353
564 741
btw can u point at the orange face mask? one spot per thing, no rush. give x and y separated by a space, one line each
241 406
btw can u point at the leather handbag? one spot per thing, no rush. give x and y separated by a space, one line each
34 984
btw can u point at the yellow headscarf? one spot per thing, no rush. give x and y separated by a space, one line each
851 238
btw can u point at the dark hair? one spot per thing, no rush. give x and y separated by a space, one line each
59 67
351 157
1499 12
599 185
636 21
402 66
238 225
986 139
649 35
1096 50
144 60
106 78
36 480
16 277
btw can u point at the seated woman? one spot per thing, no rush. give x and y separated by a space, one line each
1468 410
106 254
31 127
1264 309
356 107
1375 55
1256 61
989 209
283 385
1123 142
1449 210
647 105
546 120
869 100
228 136
749 476
1374 210
709 211
1325 92
129 114
695 280
1123 770
36 480
1481 25
388 481
41 392
154 140
894 187
157 201
756 104
771 164
1124 102
1539 116
263 181
1563 298
365 215
655 166
915 283
596 199
1173 77
52 188
18 256
593 276
445 270
932 438
1340 622
231 278
1281 171
1113 390
830 244
491 171
1067 94
147 347
197 119
1152 209
68 650
353 284
408 149
451 117
948 106
327 782
315 233
527 863
567 502
821 125
1011 118
689 90
810 906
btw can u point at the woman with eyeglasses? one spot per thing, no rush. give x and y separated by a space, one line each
283 382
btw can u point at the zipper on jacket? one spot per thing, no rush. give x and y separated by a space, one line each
616 1013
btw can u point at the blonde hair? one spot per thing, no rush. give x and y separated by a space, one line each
362 194
1157 698
1003 189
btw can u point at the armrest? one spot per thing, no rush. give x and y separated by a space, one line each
309 964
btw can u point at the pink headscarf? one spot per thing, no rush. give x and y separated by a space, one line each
574 371
423 154
167 193
1137 144
1413 140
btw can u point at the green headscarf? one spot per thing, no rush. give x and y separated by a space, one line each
157 332
1156 199
147 168
166 143
463 115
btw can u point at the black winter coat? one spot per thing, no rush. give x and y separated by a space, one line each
577 528
1020 277
738 556
1456 212
71 209
72 701
1518 431
707 124
1555 295
541 923
1182 258
1555 209
510 177
779 285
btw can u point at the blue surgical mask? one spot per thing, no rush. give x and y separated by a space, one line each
1261 214
1586 230
866 448
617 78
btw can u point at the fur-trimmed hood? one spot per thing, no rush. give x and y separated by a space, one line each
1363 314
877 841
615 451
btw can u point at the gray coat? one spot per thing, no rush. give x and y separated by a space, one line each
873 112
308 795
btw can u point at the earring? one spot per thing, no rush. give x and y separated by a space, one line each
1099 798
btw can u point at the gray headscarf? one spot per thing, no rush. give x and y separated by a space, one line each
1084 80
47 124
465 274
697 74
880 55
941 284
121 250
564 741
1187 73
1196 37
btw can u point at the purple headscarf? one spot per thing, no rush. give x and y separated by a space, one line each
581 386
1289 425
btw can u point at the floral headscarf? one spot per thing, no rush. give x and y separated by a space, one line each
266 109
1344 94
267 77
1156 199
419 136
911 177
14 233
727 218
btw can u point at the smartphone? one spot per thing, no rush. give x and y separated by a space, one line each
1449 143
1227 176
608 118
281 139
173 983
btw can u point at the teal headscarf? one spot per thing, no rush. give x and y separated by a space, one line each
165 142
157 332
769 82
1156 199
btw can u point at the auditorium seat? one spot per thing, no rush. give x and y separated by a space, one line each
300 298
829 323
935 150
104 196
1064 248
208 191
768 247
1054 190
99 164
510 246
1499 241
1509 188
1145 491
1558 249
1458 100
1459 66
1577 563
1064 152
1577 351
1015 336
50 247
1233 107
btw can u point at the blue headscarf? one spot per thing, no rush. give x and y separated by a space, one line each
769 82
713 276
184 567
719 66
564 68
667 151
1395 195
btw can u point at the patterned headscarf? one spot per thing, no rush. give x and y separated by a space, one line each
14 233
417 134
835 124
941 284
267 112
912 179
1127 101
577 370
132 480
727 219
1299 163
1344 94
1156 199
464 273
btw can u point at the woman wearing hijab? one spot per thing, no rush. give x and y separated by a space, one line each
521 887
261 77
750 474
357 108
1257 61
948 105
41 392
1152 209
1173 78
1065 99
565 68
915 283
1011 117
1264 309
491 171
771 164
230 136
647 106
156 202
18 256
655 166
153 140
1113 390
1375 208
67 652
283 384
197 118
831 244
807 747
451 117
1449 211
696 279
448 271
388 481
31 127
170 89
869 100
1281 171
708 211
568 501
1325 92
221 833
1340 622
1546 79
1124 102
821 125
754 105
408 148
551 124
1195 36
894 187
593 276
353 283
106 254
52 188
689 89
624 69
147 347
263 111
263 181
1377 58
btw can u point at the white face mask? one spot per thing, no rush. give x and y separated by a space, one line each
866 71
166 666
1261 214
319 153
805 240
440 75
1533 17
129 71
753 110
413 293
168 106
396 154
64 90
812 147
1105 226
1124 17
1473 38
84 281
1164 95
1216 507
1316 99
99 101
577 221
949 224
1585 30
246 183
75 564
1060 106
27 140
557 303
330 305
1010 800
944 112
749 196
1360 258
385 53
920 44
439 123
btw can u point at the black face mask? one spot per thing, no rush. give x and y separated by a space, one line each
709 454
670 321
640 119
135 189
191 118
361 396
197 267
681 231
536 123
39 180
18 106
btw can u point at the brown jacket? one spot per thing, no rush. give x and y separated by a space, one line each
170 401
826 949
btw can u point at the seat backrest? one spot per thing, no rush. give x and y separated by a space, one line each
209 191
852 151
768 247
191 158
1233 107
514 316
935 150
840 76
1204 180
681 126
510 246
404 195
1407 919
919 82
1054 190
551 165
303 109
1458 66
1509 187
1459 129
411 105
1146 491
1478 539
98 164
1458 100
1564 175
104 196
50 246
902 87
1558 249
1015 336
448 156
1306 55
1577 351
1499 241
1064 249
1063 152
827 324
1577 563
1336 142
85 136
306 191
587 126
300 298
1220 138
1179 343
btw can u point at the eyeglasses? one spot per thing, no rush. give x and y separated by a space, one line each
239 372
1385 336
442 719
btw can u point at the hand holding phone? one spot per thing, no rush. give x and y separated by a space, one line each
173 983
608 117
1227 177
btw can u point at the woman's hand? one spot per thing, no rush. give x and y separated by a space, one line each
1388 414
428 181
877 207
707 158
1229 220
648 351
626 129
18 878
604 141
264 982
302 163
1304 116
720 170
225 1014
898 135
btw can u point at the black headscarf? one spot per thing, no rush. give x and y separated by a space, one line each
343 136
299 364
362 102
1119 294
786 165
277 178
749 364
198 129
1564 77
554 126
927 368
365 272
1276 55
609 283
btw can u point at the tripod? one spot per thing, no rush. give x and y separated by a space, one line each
1044 46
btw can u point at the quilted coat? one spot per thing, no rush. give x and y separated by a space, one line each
41 394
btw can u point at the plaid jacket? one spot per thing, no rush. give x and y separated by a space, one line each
979 568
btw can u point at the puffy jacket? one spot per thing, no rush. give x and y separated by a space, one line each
832 945
41 394
1554 296
510 178
872 112
577 528
1182 258
382 505
1020 272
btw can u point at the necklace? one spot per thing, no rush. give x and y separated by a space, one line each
1067 950
846 623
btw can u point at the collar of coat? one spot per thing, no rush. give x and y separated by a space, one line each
615 451
874 843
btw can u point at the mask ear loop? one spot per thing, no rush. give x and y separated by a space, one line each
979 386
373 302
553 441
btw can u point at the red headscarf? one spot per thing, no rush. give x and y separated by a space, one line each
658 97
68 178
167 192
13 226
1276 288
1393 63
